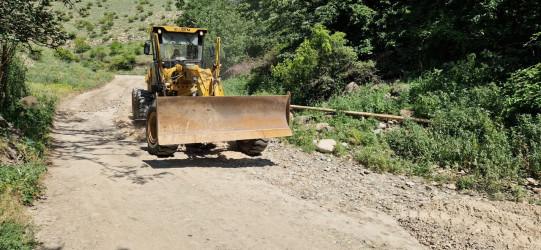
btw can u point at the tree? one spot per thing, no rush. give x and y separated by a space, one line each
224 19
24 22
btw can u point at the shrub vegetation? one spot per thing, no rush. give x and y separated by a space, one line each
470 70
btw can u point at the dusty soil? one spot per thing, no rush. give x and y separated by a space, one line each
105 191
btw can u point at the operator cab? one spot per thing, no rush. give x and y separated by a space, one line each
180 45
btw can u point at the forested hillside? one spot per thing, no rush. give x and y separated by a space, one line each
472 68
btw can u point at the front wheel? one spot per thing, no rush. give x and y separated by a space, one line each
154 148
135 103
253 147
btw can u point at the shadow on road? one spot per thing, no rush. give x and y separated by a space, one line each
220 162
207 155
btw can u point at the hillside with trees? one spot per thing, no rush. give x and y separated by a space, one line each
472 68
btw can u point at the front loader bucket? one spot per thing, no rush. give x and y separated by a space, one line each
195 119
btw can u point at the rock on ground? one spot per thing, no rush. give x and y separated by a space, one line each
326 145
302 120
351 88
29 101
323 126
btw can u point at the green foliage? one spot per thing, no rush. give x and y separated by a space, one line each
523 91
36 54
107 21
411 142
527 140
16 88
81 45
321 67
370 98
224 19
84 24
33 122
23 26
115 48
98 52
72 35
464 83
379 158
65 73
416 32
64 54
23 23
22 180
14 235
303 138
235 86
126 61
126 54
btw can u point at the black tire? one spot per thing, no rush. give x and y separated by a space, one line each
252 147
145 100
135 103
154 147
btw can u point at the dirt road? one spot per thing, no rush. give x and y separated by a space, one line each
106 192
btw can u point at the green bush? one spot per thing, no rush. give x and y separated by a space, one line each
378 157
321 67
80 24
36 54
115 48
64 54
107 21
22 180
98 52
235 29
72 35
411 142
303 138
523 91
370 98
16 87
81 45
14 235
126 61
34 122
94 65
527 143
235 86
465 83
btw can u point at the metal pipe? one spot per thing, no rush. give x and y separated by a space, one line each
364 114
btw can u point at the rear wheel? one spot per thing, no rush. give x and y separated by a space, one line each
154 148
145 99
252 147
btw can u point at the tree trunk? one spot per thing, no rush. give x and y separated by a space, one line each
4 65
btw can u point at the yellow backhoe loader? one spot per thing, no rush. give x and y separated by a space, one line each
184 102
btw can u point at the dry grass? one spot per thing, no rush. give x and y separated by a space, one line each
12 210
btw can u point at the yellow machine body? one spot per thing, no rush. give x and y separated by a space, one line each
191 106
